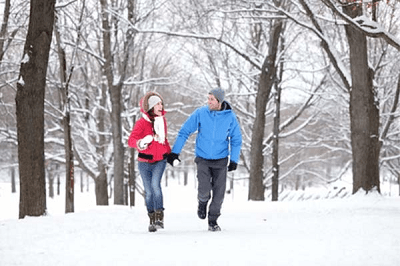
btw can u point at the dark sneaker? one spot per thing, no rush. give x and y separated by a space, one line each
202 210
213 226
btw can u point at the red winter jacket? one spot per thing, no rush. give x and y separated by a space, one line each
155 151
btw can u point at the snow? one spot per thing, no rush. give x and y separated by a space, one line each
355 230
21 81
25 59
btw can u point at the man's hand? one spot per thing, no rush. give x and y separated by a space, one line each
232 166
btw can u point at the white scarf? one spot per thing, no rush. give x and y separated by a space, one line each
158 128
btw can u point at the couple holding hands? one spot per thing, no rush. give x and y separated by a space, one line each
217 150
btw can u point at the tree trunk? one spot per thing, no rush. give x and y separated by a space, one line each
185 177
30 109
126 193
115 94
132 178
364 114
69 173
101 181
276 130
4 27
275 145
116 122
51 186
12 169
81 182
66 121
398 182
267 79
101 188
58 184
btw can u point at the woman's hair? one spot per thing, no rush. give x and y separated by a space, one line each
151 113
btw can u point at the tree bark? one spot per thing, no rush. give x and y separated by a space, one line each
277 128
58 180
101 188
51 186
30 109
115 94
267 79
4 27
275 144
364 114
12 173
132 175
101 181
66 121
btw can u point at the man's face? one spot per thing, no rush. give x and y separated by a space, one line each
213 103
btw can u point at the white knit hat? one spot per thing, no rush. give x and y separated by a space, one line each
153 100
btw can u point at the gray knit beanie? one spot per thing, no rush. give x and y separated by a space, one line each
218 93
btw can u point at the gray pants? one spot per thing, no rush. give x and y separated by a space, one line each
211 176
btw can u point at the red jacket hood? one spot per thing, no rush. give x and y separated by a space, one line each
144 105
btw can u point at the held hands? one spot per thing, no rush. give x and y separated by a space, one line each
173 159
144 142
232 166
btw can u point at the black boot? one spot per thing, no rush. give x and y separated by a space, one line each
152 225
202 210
159 219
213 226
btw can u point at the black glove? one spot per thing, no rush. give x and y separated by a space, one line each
232 166
173 159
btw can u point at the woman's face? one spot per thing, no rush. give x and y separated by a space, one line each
158 109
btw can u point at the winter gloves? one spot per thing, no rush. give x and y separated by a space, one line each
232 166
173 159
144 142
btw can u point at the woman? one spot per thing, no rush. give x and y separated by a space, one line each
149 137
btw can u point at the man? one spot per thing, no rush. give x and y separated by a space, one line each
218 141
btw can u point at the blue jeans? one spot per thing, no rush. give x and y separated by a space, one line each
151 174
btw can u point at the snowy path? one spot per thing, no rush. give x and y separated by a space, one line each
361 230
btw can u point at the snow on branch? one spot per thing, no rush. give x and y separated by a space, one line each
162 80
267 181
325 43
84 166
205 37
299 128
388 158
189 35
391 117
366 25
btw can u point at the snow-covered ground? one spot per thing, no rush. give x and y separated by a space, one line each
354 230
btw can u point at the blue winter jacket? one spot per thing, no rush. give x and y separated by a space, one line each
218 133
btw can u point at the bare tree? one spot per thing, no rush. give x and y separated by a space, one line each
267 80
6 40
65 78
364 111
357 81
115 89
30 109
